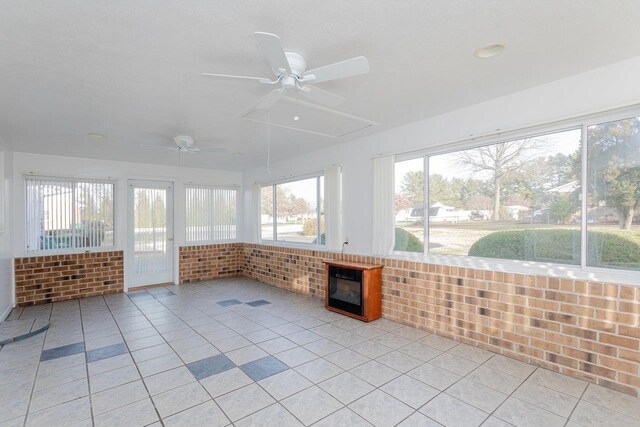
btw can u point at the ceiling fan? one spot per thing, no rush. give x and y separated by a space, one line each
186 144
290 71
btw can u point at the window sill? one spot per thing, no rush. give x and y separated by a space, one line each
56 252
561 271
308 246
209 242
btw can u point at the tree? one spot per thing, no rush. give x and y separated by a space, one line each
402 202
614 166
499 160
298 205
412 187
561 208
623 185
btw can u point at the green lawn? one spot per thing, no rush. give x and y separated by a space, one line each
609 246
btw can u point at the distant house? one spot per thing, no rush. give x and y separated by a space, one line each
442 213
515 210
567 188
410 214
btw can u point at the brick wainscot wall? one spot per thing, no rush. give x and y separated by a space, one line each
52 278
589 330
584 329
206 262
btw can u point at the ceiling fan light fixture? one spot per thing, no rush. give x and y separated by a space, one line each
490 51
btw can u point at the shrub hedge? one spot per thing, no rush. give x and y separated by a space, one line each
407 242
557 245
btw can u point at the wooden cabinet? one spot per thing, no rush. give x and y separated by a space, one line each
354 289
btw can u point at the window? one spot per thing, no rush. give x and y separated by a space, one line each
297 215
65 213
613 199
211 213
515 200
524 199
409 205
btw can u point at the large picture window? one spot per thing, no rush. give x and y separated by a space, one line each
293 211
211 213
516 200
524 200
65 213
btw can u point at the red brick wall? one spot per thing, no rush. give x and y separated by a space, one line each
51 278
584 329
207 262
298 270
588 330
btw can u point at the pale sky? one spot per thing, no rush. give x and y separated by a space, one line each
565 142
305 188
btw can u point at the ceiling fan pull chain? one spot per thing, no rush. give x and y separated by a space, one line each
269 142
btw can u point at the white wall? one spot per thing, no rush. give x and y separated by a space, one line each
6 256
597 90
39 164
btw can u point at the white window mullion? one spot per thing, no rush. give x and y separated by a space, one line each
425 214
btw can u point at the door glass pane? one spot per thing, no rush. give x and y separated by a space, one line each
150 224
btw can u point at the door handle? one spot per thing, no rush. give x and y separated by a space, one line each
170 239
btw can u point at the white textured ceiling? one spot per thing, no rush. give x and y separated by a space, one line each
131 69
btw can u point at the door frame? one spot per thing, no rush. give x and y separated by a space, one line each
131 281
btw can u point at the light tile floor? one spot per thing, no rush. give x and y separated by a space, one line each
238 351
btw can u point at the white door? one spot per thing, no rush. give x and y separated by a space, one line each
150 233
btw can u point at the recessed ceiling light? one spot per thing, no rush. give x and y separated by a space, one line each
296 118
96 135
490 51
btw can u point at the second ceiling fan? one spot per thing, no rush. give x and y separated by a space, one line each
291 74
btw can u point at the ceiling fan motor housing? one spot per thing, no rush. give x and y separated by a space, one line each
297 64
183 141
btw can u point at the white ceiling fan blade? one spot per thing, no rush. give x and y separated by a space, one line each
322 96
272 49
213 149
339 70
229 76
162 147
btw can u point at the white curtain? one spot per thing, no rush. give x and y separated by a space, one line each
333 207
383 205
256 212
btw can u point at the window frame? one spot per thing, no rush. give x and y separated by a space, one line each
186 207
319 209
76 250
577 272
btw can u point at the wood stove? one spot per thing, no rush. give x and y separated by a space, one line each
354 289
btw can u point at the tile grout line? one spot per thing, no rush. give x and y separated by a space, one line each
134 362
86 361
35 379
577 403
